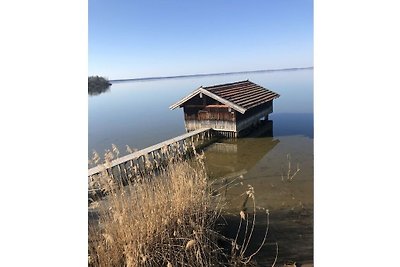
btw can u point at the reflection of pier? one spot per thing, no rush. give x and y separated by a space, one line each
223 148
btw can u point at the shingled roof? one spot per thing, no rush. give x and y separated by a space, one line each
240 96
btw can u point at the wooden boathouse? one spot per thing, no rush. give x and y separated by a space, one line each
229 108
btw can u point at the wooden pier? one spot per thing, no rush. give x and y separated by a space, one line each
146 160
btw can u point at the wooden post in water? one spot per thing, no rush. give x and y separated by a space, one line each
119 173
109 173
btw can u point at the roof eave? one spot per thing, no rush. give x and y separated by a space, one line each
186 98
208 93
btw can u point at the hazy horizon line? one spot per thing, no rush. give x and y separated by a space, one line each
207 74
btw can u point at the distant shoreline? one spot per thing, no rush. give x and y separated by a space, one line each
207 74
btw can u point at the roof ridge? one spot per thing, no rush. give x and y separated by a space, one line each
226 84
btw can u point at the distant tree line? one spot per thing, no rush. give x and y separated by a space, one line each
98 85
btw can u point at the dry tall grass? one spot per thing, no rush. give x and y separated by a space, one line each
168 220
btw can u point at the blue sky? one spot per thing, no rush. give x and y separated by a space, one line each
131 39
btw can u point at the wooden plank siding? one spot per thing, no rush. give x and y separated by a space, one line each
217 125
210 112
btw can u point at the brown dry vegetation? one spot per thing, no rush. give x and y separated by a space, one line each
168 220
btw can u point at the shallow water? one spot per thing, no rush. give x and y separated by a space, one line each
263 163
137 114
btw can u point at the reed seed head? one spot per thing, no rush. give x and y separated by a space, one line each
190 244
242 215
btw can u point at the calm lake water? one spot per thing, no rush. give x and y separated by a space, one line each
137 114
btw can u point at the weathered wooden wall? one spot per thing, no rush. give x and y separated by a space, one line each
254 111
254 118
217 125
210 112
200 114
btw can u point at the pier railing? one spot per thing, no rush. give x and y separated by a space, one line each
148 159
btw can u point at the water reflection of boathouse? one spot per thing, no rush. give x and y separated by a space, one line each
231 108
233 157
